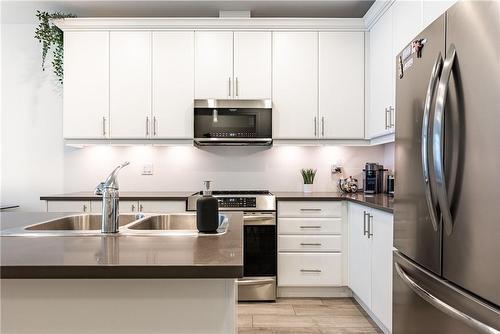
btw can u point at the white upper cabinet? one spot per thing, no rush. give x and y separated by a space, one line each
295 85
214 64
173 84
252 65
130 84
341 85
86 84
431 10
407 23
382 77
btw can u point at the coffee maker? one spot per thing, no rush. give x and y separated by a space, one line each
373 178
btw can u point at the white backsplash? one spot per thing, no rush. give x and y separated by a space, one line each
185 167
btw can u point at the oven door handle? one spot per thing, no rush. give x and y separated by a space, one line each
244 282
258 220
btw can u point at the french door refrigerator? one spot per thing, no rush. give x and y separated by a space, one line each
447 198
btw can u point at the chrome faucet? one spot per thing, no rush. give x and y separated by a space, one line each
110 200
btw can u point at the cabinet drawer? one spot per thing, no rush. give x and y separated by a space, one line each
309 269
309 209
310 243
309 226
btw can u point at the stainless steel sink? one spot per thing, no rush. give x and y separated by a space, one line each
83 222
173 224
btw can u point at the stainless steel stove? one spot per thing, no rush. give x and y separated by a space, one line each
260 239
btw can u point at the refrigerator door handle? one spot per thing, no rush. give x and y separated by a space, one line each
437 140
442 306
431 88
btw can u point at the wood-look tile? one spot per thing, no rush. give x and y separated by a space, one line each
279 330
282 321
338 301
265 308
300 301
324 330
244 320
343 321
318 310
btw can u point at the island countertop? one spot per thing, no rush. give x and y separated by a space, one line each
119 256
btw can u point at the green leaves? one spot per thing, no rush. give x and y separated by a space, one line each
308 175
51 38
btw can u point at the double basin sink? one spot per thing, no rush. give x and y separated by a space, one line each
182 224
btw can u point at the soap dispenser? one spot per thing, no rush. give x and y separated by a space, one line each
207 211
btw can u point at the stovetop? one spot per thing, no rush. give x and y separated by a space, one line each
238 200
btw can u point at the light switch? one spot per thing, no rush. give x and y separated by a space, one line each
147 169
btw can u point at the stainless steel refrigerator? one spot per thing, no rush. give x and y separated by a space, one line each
447 196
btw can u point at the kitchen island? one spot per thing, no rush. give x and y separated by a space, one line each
119 283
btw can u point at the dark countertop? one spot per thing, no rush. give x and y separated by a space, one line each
378 201
124 195
120 256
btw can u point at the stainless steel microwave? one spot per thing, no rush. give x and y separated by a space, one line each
232 122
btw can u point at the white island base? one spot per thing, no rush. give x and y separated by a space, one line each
121 306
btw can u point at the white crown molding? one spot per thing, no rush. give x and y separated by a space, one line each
152 23
378 9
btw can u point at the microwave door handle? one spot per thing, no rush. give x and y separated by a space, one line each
434 79
437 141
441 305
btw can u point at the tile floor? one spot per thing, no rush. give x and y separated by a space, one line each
305 315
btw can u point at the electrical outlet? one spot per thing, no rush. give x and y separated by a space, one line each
147 169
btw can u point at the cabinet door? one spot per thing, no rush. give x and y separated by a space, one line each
431 10
295 85
309 269
130 84
86 84
252 65
407 23
214 64
128 206
342 85
381 226
173 84
68 206
359 254
162 206
382 75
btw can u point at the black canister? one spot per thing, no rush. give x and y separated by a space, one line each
207 211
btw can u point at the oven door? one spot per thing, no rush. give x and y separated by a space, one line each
232 126
259 258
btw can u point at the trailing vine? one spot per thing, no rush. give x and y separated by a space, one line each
51 38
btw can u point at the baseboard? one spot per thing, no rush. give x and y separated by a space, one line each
370 313
303 292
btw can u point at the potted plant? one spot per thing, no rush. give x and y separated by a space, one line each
308 175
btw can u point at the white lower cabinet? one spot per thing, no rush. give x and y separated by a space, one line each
68 206
310 244
370 259
124 206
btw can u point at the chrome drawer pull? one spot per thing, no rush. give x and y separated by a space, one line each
310 209
310 244
310 227
310 270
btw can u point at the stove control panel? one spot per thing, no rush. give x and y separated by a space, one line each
237 202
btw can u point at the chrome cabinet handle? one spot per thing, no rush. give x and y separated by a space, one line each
104 126
310 226
141 207
424 146
229 87
132 207
147 125
84 208
310 209
154 125
386 123
392 114
310 270
236 86
323 126
310 244
370 221
442 306
315 127
364 223
437 140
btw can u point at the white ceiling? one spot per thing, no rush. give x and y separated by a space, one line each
19 11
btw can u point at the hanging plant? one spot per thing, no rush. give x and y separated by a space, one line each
51 38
